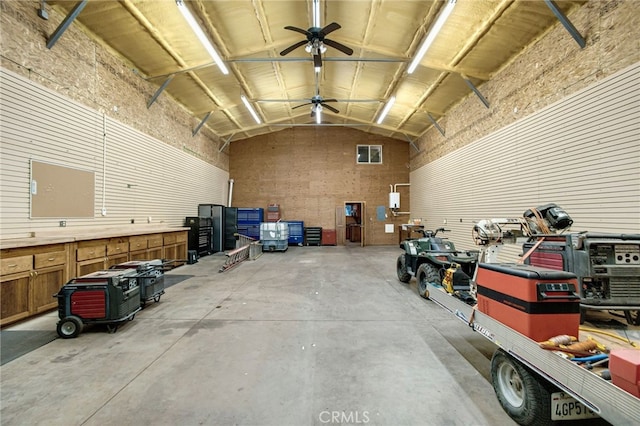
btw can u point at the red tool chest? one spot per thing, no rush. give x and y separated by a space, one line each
537 302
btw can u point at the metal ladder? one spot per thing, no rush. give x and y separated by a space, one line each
242 251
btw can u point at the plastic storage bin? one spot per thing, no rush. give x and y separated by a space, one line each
274 236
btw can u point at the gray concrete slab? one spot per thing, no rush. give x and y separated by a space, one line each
310 336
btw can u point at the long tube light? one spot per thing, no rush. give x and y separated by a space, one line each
435 29
318 114
386 109
201 36
246 103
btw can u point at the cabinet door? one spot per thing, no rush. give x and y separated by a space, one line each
89 266
44 284
14 297
115 259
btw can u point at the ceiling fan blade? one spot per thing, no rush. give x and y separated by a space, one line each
298 30
298 106
330 28
317 60
293 47
329 100
330 108
341 47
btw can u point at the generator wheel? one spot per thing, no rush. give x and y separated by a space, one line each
427 273
401 268
522 394
69 327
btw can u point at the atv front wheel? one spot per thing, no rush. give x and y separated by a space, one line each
401 268
427 273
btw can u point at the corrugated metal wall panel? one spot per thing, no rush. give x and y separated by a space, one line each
581 153
144 177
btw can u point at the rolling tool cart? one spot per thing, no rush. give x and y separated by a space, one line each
150 278
104 297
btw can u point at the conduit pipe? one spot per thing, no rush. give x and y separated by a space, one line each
230 192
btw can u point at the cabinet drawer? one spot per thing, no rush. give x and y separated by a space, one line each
91 252
181 237
55 258
169 239
117 248
137 243
155 240
12 265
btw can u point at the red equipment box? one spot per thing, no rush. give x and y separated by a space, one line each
624 365
329 237
537 302
273 212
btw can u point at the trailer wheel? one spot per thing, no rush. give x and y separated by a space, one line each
401 268
522 394
427 273
69 327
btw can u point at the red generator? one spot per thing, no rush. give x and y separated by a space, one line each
537 302
103 297
150 278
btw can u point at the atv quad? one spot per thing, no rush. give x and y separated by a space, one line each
429 257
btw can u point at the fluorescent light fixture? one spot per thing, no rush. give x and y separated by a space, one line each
386 109
316 13
318 114
317 69
201 36
433 32
246 103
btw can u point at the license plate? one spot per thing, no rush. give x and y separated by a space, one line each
564 407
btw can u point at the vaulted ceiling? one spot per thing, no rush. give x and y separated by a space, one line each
478 39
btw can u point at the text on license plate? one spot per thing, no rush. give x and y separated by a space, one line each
564 407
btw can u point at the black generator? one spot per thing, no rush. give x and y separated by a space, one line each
104 297
150 278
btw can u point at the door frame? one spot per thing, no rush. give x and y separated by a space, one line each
363 222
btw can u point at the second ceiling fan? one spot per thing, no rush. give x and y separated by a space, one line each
316 38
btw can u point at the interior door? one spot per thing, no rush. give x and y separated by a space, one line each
355 223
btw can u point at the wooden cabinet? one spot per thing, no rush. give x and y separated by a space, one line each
175 246
30 274
90 256
29 282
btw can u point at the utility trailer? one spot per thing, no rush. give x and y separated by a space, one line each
536 386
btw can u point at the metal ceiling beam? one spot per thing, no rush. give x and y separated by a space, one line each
308 99
476 91
566 23
435 124
227 142
204 120
411 143
159 91
65 23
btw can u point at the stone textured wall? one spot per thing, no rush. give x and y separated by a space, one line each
550 69
85 70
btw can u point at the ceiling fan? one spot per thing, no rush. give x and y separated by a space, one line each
315 42
317 104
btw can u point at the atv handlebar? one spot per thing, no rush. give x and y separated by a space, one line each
430 233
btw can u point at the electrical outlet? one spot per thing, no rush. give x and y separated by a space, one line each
63 223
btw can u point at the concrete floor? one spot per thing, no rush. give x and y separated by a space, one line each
310 336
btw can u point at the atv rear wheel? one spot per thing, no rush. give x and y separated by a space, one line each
427 273
401 268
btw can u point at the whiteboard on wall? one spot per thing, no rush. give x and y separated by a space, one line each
61 192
